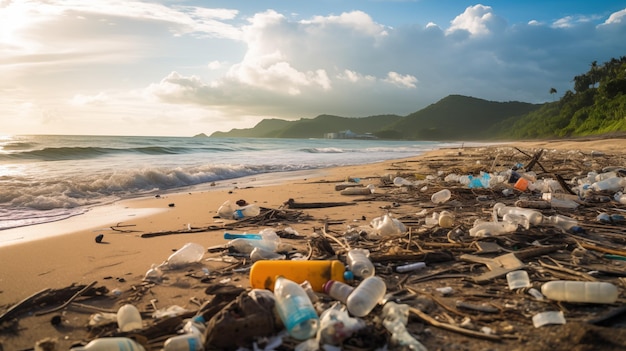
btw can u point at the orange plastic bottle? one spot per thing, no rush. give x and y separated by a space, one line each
263 273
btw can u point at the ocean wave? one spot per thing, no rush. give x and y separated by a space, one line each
83 153
323 150
89 189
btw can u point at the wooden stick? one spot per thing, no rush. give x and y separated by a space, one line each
15 307
432 321
80 292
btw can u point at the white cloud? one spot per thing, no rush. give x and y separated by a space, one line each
109 61
81 99
617 17
477 20
405 81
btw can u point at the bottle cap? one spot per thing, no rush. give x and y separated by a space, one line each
348 275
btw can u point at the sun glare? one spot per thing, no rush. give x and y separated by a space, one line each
13 18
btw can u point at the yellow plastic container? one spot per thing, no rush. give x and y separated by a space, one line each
317 273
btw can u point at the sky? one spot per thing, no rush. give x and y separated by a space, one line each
180 68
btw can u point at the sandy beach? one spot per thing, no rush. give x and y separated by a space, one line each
121 260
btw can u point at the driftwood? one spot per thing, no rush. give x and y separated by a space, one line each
291 203
48 297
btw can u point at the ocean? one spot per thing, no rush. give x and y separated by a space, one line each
46 178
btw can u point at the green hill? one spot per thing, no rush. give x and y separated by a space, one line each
596 106
459 117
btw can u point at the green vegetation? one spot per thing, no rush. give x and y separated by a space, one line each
597 106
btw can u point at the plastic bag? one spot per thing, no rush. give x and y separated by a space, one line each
336 325
388 226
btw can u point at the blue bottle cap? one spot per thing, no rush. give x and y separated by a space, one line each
348 275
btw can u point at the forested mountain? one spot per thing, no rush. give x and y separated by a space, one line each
596 106
454 117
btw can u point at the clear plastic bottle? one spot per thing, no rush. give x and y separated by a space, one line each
129 318
189 253
110 344
338 290
562 222
366 296
534 217
609 184
251 210
577 291
441 196
359 263
267 239
295 309
184 342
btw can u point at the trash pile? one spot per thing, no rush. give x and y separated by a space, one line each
514 251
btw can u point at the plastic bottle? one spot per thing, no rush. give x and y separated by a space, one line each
517 219
267 239
620 197
483 229
258 254
609 184
410 267
446 220
562 222
534 217
263 273
338 290
226 210
295 309
184 342
251 210
129 318
189 253
441 196
110 344
577 291
399 181
359 263
366 296
195 325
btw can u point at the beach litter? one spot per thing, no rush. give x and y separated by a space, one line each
473 266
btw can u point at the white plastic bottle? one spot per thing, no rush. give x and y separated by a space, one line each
366 296
110 344
359 263
445 219
295 309
577 291
534 217
483 229
129 318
